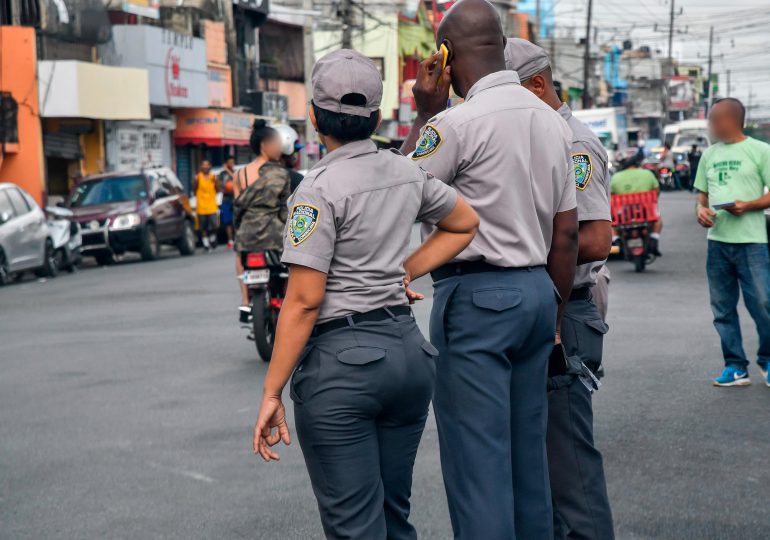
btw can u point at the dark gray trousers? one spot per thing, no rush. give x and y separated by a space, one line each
494 332
361 397
579 490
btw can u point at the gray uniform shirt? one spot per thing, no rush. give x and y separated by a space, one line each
508 154
592 180
352 217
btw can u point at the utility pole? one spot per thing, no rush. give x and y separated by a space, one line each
346 13
309 61
537 21
728 83
587 56
711 62
671 40
232 50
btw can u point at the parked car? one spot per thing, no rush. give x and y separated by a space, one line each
133 211
24 240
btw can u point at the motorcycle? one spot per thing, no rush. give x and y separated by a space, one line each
66 237
632 218
266 278
666 179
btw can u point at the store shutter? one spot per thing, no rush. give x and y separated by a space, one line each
62 145
184 167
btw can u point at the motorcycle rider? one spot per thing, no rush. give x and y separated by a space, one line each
289 152
261 190
633 179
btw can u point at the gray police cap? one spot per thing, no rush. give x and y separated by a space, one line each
525 58
345 72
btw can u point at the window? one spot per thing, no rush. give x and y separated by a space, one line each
109 190
5 203
17 201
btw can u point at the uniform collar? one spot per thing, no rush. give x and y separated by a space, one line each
565 111
347 151
497 78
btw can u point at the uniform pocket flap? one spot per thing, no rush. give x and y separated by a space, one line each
358 356
429 348
598 325
496 299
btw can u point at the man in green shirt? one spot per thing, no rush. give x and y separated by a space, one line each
732 177
632 179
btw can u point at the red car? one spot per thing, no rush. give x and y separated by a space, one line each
133 211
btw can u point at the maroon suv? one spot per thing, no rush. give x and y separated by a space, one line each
133 211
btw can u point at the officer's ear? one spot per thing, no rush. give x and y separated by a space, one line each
379 119
537 85
313 120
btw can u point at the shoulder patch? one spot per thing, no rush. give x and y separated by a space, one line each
429 143
583 170
304 218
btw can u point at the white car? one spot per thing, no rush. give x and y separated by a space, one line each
24 240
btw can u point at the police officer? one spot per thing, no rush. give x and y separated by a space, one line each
581 506
364 381
495 310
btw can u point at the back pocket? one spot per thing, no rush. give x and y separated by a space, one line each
359 356
497 299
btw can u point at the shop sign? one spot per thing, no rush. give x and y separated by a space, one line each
213 127
178 71
139 147
220 87
143 8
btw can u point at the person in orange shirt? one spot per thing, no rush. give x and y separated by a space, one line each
205 187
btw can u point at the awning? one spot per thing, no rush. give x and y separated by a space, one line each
72 89
213 127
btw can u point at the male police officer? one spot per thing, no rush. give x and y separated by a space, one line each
581 507
495 310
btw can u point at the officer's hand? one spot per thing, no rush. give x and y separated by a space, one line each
706 217
739 208
431 88
557 339
411 295
272 414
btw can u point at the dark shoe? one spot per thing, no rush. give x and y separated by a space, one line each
654 247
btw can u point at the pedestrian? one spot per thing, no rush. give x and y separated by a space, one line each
227 187
365 378
578 488
633 179
261 190
693 158
494 307
290 153
205 187
733 175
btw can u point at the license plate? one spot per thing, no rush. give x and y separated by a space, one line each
635 242
256 277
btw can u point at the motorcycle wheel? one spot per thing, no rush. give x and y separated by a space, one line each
639 263
264 323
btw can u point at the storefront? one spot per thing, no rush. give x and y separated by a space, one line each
179 78
75 100
211 134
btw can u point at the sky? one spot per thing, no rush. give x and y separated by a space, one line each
741 36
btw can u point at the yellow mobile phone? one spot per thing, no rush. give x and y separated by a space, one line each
446 56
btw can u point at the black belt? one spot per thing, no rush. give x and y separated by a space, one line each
581 293
471 267
375 315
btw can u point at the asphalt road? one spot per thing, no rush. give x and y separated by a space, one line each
128 395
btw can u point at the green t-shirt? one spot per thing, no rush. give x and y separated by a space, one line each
633 180
736 172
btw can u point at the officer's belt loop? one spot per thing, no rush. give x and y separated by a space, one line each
389 312
351 322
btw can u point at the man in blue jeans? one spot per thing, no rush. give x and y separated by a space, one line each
732 177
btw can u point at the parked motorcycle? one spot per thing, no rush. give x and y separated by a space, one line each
66 237
666 179
266 279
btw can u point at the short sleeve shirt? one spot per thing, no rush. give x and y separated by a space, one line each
736 172
592 182
633 180
352 217
508 154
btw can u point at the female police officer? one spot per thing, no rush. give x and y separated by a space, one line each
365 378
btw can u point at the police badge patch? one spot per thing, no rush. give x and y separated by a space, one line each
583 170
302 222
429 143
